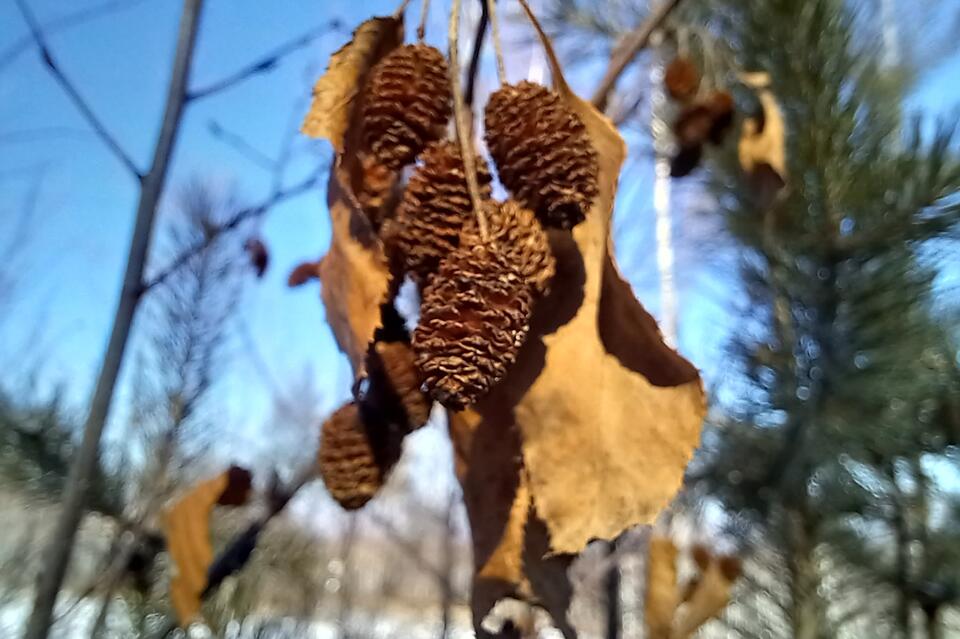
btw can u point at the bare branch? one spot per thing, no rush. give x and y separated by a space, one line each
241 146
238 218
12 52
632 45
72 92
265 63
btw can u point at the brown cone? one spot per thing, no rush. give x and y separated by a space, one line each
473 320
682 79
542 152
518 236
407 104
355 457
434 207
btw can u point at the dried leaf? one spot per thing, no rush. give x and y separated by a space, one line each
609 415
354 275
187 528
335 92
762 142
662 596
258 254
303 273
709 597
510 543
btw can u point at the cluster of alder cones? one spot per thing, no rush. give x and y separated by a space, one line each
704 117
478 280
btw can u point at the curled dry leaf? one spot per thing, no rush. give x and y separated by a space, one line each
762 143
186 525
709 595
335 92
354 273
667 614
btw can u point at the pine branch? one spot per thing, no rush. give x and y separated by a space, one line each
265 63
71 90
632 45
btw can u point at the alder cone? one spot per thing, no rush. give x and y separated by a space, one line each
434 207
407 104
682 79
518 237
473 320
542 152
355 457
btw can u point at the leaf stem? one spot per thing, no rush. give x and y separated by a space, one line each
464 130
497 46
424 13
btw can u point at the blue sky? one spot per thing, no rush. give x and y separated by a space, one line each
72 263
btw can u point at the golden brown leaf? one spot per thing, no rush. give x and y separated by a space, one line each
186 525
762 139
335 92
609 415
354 275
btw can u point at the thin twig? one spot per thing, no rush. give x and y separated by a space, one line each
238 218
72 92
464 130
266 62
12 52
634 43
474 67
241 146
491 7
400 10
424 13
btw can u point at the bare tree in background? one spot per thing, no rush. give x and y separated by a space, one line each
151 183
188 318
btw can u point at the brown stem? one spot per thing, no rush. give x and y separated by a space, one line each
632 45
464 130
474 65
65 529
424 13
491 6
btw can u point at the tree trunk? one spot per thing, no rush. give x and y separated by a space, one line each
806 606
65 530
